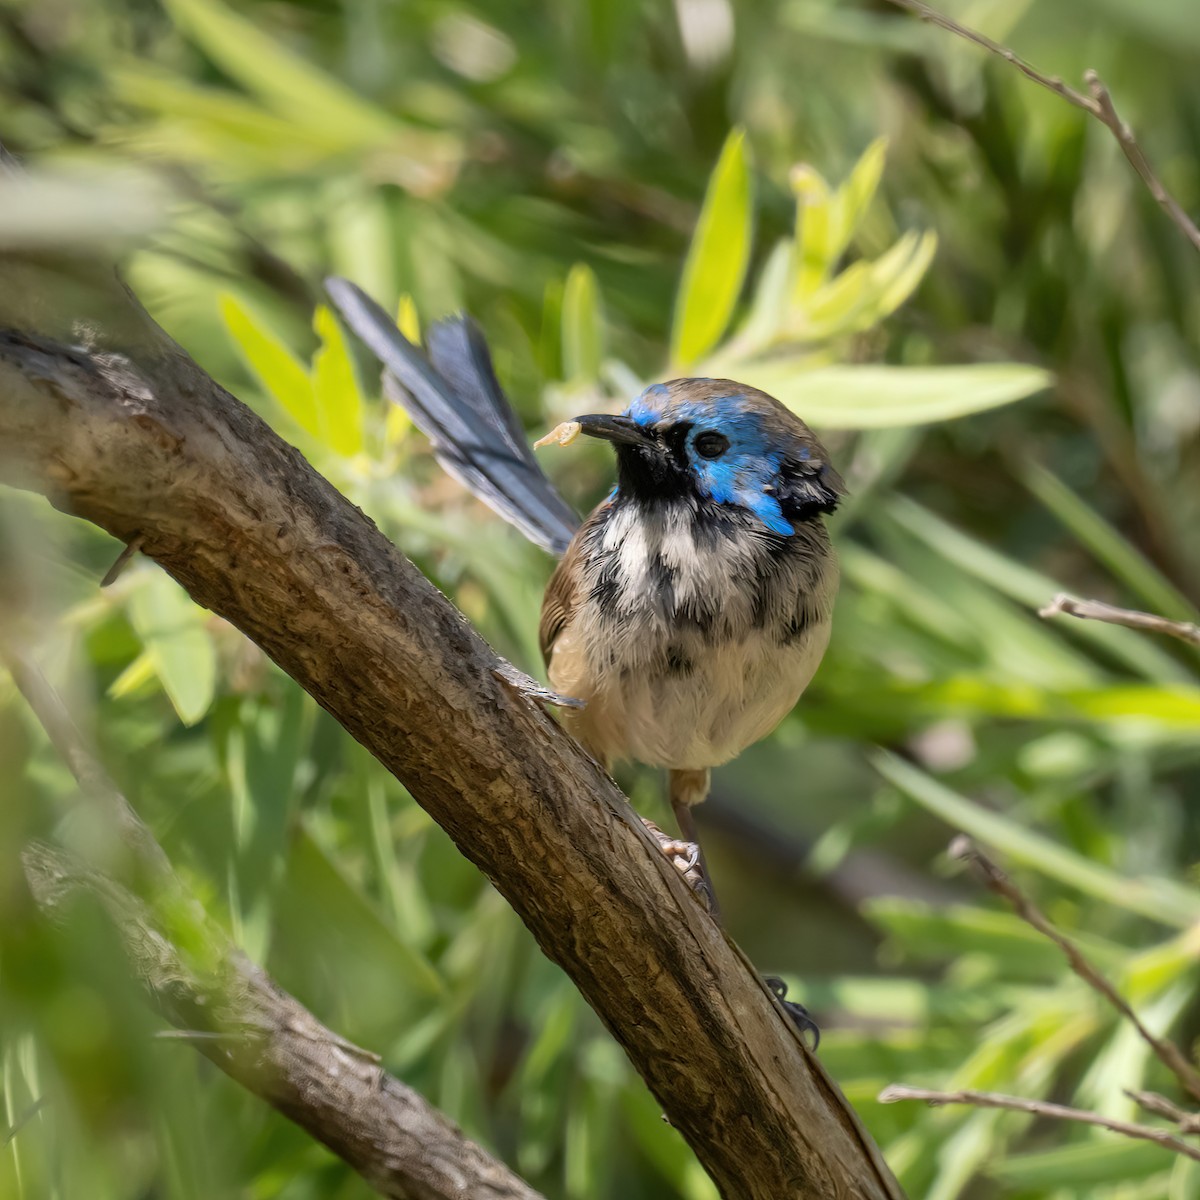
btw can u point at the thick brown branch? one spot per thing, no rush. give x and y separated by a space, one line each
236 1016
1099 105
132 435
1041 1108
1097 610
998 881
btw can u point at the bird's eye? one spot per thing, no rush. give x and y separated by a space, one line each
711 444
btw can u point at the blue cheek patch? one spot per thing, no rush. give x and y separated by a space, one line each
741 480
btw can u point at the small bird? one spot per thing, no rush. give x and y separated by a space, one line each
691 609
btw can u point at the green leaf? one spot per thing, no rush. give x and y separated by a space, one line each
816 232
172 630
1029 587
1098 1160
855 195
285 81
874 397
339 399
278 370
1123 559
826 222
718 256
1160 900
582 326
770 304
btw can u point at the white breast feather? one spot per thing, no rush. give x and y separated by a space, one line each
742 676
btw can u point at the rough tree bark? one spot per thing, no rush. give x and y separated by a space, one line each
107 416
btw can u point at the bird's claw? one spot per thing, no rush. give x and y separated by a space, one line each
685 858
798 1013
528 686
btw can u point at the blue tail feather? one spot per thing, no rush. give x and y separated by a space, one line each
453 397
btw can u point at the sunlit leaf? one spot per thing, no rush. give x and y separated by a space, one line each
582 325
172 629
717 260
335 386
278 370
826 221
288 83
873 397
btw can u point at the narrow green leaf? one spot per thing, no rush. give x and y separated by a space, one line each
816 232
1099 1160
875 397
582 326
339 399
897 279
770 305
855 195
825 221
172 629
278 370
1030 587
1123 559
1160 900
717 260
285 81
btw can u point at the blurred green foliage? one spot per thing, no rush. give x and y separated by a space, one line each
619 189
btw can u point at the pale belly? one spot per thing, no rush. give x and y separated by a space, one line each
722 699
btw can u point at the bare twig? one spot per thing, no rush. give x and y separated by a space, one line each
235 1015
1099 105
1097 610
997 881
1188 1122
122 561
1041 1108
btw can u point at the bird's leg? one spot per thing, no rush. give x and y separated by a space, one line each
685 789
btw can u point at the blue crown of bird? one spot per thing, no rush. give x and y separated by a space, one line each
690 609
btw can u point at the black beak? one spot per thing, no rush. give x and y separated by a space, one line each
621 431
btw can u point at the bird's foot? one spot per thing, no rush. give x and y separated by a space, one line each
528 686
685 858
798 1013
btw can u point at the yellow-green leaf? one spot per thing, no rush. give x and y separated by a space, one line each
582 325
278 370
872 397
338 396
826 220
172 631
289 84
718 256
855 195
816 231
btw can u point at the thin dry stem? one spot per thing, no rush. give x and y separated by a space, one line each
1041 1108
1099 105
1188 1122
997 881
1097 610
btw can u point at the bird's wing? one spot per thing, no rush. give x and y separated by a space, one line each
559 602
453 397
